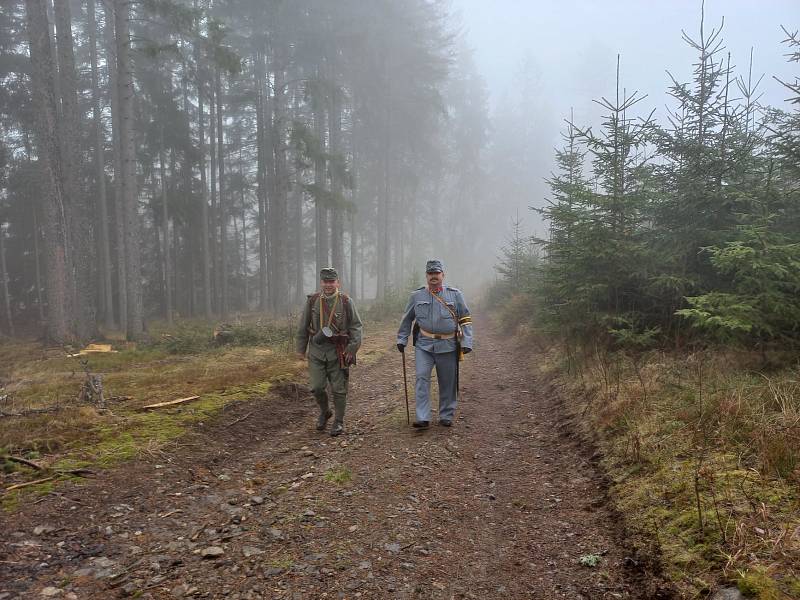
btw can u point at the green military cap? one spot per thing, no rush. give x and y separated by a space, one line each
328 274
434 266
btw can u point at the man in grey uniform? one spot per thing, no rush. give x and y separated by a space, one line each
443 332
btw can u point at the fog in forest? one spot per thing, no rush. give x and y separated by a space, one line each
177 158
542 60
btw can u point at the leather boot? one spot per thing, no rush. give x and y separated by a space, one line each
337 429
324 415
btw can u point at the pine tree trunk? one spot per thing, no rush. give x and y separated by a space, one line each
212 133
204 233
104 250
320 211
278 214
119 212
44 104
133 265
383 239
223 210
261 178
245 265
167 267
77 202
37 266
337 221
4 282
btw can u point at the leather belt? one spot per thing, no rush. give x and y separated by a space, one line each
437 336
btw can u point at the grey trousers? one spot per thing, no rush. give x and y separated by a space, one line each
446 364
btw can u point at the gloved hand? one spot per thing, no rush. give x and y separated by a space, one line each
466 350
401 347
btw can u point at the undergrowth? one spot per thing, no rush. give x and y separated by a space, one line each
704 456
176 362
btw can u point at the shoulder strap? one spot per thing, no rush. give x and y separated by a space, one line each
450 310
312 298
346 310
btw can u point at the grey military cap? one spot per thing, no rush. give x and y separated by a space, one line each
328 274
434 266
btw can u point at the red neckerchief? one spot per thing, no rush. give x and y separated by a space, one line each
437 290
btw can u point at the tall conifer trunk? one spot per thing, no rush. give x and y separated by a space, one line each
103 246
261 180
4 283
223 201
129 187
337 221
48 161
79 211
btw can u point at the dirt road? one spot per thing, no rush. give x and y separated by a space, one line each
505 504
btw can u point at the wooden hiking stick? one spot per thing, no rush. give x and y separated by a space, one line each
405 387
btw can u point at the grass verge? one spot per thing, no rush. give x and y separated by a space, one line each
703 451
178 361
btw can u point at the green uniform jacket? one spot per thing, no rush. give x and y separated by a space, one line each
309 325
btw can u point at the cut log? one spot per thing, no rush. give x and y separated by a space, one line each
169 403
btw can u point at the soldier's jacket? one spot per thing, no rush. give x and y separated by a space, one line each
345 320
432 317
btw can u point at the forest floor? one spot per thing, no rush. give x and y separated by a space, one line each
508 503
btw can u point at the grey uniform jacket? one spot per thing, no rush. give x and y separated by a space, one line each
431 316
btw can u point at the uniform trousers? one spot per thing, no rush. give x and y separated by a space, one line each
446 364
324 370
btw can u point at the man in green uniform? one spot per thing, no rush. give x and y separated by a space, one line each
330 329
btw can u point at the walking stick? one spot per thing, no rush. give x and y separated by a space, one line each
405 387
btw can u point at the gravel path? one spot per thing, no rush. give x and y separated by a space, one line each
505 504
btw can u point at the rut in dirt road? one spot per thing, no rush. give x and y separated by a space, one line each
502 505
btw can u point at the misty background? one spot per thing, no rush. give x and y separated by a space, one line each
205 158
540 60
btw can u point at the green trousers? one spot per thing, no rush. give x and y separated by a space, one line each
324 370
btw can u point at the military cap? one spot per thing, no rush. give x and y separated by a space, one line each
434 266
328 274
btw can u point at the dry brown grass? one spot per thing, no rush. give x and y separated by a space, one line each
704 450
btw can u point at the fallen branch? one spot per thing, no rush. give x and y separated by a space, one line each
239 420
32 411
27 483
169 403
24 461
77 472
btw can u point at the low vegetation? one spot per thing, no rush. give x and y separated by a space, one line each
702 454
43 418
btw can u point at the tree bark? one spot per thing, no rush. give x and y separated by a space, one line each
130 192
104 249
213 213
4 281
77 203
204 242
261 180
278 212
206 250
37 265
320 210
167 257
44 104
337 211
119 212
223 212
